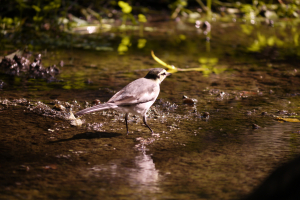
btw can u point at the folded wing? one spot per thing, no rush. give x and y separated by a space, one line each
139 91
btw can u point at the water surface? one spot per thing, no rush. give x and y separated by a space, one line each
224 156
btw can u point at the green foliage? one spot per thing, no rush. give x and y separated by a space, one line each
7 20
126 8
142 18
37 18
8 23
36 8
179 6
269 11
55 15
21 3
208 61
123 46
247 8
249 11
178 3
141 43
247 28
289 10
262 41
208 66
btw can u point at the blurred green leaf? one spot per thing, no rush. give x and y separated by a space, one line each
279 42
203 60
142 18
255 47
7 20
52 5
36 8
296 39
141 43
219 70
126 8
182 37
125 40
247 8
210 61
21 3
261 39
37 18
122 49
246 28
67 86
123 46
206 70
47 8
271 41
213 61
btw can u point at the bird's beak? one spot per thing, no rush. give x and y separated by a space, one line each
168 74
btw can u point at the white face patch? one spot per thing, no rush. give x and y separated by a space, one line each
162 75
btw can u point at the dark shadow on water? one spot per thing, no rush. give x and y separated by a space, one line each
88 135
283 183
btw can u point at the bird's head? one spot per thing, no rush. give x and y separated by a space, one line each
157 74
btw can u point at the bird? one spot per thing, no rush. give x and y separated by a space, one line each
136 97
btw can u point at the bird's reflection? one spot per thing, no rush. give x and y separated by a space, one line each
138 174
145 175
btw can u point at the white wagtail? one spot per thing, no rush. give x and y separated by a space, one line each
136 97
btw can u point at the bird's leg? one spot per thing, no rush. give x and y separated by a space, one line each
145 122
126 119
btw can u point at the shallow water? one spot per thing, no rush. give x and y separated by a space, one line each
190 157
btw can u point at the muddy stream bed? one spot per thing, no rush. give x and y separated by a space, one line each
220 142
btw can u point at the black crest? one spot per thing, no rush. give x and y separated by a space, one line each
154 73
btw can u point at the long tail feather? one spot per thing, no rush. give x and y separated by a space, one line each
94 109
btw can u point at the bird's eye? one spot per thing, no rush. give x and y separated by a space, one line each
163 74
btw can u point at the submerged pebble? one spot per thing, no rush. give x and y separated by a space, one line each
255 126
96 102
205 115
282 112
264 113
248 113
188 101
